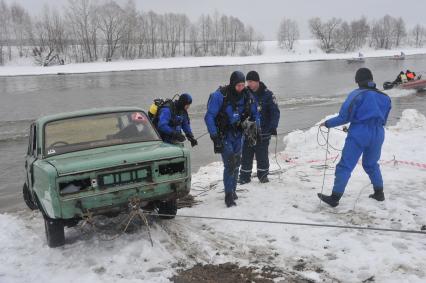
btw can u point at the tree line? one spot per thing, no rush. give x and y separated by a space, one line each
89 30
93 30
337 35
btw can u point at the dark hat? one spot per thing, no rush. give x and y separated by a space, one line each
252 76
236 78
184 99
363 75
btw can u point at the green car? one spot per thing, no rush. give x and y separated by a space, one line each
95 161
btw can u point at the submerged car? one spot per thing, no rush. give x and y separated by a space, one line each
96 161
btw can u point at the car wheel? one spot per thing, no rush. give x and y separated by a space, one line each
28 198
168 208
55 234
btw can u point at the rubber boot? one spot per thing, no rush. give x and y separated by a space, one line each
243 181
234 195
378 195
332 200
264 179
229 200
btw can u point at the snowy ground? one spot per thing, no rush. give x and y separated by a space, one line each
320 254
305 50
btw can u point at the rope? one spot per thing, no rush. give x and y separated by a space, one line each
285 133
325 162
326 139
202 135
293 223
276 158
135 211
278 134
359 195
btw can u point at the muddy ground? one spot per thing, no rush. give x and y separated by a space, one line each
232 273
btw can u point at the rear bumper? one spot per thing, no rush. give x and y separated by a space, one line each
115 200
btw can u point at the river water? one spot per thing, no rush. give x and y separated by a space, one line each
306 93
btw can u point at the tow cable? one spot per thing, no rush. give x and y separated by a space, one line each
134 212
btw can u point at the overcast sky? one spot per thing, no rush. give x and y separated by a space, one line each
265 15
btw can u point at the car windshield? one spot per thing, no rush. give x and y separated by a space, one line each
80 133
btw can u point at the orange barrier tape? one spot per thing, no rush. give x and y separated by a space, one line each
383 162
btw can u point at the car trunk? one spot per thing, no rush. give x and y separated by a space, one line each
103 158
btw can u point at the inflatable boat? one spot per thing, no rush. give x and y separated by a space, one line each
417 84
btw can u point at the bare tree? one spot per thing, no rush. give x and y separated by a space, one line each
288 33
186 25
49 39
325 32
225 36
169 34
419 35
343 37
5 33
175 32
382 33
83 28
248 38
152 22
237 30
350 36
87 29
128 50
193 38
112 24
141 34
206 29
21 25
55 26
399 30
259 44
360 31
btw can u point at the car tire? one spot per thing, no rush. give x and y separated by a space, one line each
55 234
28 198
168 208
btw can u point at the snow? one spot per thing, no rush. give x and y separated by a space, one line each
327 254
305 50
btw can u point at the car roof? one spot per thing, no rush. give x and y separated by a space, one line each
94 111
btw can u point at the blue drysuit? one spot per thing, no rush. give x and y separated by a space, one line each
367 110
170 123
269 118
232 135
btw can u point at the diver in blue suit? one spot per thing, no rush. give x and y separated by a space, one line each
367 110
173 119
269 118
228 107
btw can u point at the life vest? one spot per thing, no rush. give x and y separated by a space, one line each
410 76
403 78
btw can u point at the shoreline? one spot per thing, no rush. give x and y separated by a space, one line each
272 55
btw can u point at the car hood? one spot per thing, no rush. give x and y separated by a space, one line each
107 157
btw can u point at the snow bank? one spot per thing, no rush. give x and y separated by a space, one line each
411 119
305 50
320 254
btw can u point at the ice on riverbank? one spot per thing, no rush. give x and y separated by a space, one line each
305 50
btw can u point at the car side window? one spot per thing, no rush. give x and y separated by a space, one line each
30 140
32 145
34 149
